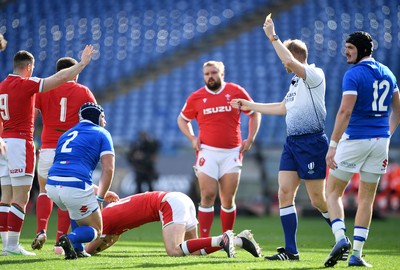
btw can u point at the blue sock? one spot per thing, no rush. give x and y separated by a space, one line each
77 246
82 234
289 223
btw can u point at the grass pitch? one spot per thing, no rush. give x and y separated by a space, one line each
142 248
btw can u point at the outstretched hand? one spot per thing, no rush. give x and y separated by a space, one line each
240 104
87 54
268 26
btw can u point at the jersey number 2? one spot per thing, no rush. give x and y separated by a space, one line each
65 148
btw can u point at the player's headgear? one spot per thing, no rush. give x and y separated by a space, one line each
91 111
363 42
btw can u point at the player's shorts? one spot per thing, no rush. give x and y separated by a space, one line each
178 208
20 157
215 162
80 203
305 154
46 158
364 155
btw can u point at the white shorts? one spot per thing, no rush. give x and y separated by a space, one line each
80 203
178 208
20 158
366 155
46 158
215 162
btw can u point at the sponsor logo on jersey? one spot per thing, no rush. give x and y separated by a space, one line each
347 164
290 96
385 163
311 167
14 171
218 109
83 209
202 161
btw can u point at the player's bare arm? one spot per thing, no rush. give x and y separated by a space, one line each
288 59
69 73
395 114
101 244
187 130
276 108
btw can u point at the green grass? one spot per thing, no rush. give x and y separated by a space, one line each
142 248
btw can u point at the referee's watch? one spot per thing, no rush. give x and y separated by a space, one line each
274 38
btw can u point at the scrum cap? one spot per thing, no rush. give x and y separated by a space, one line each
90 111
363 42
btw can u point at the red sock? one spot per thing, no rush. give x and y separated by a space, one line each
16 218
4 209
63 223
44 206
206 218
197 244
210 250
228 217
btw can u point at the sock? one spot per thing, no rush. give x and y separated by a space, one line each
13 240
238 242
63 223
4 210
338 229
360 236
206 218
44 206
82 234
289 223
77 246
16 218
326 217
228 217
206 245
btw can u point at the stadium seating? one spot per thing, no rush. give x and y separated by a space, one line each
131 34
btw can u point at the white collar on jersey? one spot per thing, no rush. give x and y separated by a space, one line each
219 91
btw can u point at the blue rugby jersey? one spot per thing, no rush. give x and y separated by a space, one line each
374 85
78 153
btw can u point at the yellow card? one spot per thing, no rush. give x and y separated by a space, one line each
268 17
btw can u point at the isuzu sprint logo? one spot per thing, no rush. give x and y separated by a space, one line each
16 171
218 109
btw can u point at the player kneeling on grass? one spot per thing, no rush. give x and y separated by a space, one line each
69 182
177 214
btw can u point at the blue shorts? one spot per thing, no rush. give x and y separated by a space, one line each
305 154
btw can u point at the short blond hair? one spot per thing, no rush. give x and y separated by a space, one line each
218 64
298 48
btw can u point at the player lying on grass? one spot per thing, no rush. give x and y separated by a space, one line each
177 214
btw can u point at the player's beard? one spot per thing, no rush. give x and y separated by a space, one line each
213 85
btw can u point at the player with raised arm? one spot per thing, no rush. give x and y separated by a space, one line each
59 109
306 144
177 214
17 166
